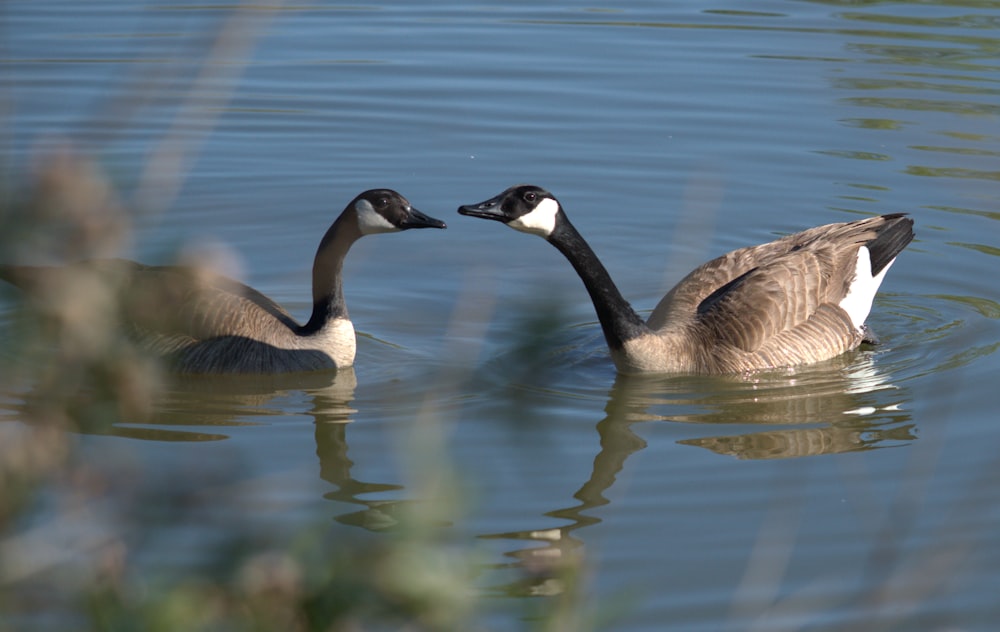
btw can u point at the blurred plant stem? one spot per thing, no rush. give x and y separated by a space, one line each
69 369
69 540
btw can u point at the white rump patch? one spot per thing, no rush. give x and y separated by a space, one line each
370 221
541 221
858 301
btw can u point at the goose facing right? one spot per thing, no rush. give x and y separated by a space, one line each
800 299
201 322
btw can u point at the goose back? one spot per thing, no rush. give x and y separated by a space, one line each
200 321
776 304
801 298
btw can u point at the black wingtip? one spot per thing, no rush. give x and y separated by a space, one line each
894 235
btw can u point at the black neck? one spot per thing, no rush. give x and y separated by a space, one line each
328 285
618 320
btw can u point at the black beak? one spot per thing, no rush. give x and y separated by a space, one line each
416 219
490 209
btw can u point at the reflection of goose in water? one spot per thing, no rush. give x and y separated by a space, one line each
194 405
200 408
335 468
227 400
847 406
544 564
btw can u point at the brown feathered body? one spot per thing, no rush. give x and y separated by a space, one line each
203 322
199 321
799 299
773 305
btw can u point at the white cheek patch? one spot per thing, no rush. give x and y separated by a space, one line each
370 221
541 221
858 301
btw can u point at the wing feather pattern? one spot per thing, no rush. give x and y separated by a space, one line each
172 306
779 301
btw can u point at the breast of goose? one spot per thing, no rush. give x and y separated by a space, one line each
799 299
202 322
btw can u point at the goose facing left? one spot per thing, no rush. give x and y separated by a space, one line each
201 322
799 299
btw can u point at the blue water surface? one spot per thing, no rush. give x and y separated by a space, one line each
856 494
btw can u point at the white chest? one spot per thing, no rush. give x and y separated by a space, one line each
336 340
339 341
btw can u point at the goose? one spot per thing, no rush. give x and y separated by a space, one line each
800 299
201 322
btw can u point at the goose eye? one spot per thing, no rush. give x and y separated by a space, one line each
530 196
383 202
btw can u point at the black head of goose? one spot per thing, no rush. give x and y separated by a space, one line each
799 299
201 322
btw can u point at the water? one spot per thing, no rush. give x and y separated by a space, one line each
855 493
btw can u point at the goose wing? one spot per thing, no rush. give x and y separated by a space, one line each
776 297
172 306
166 307
783 296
